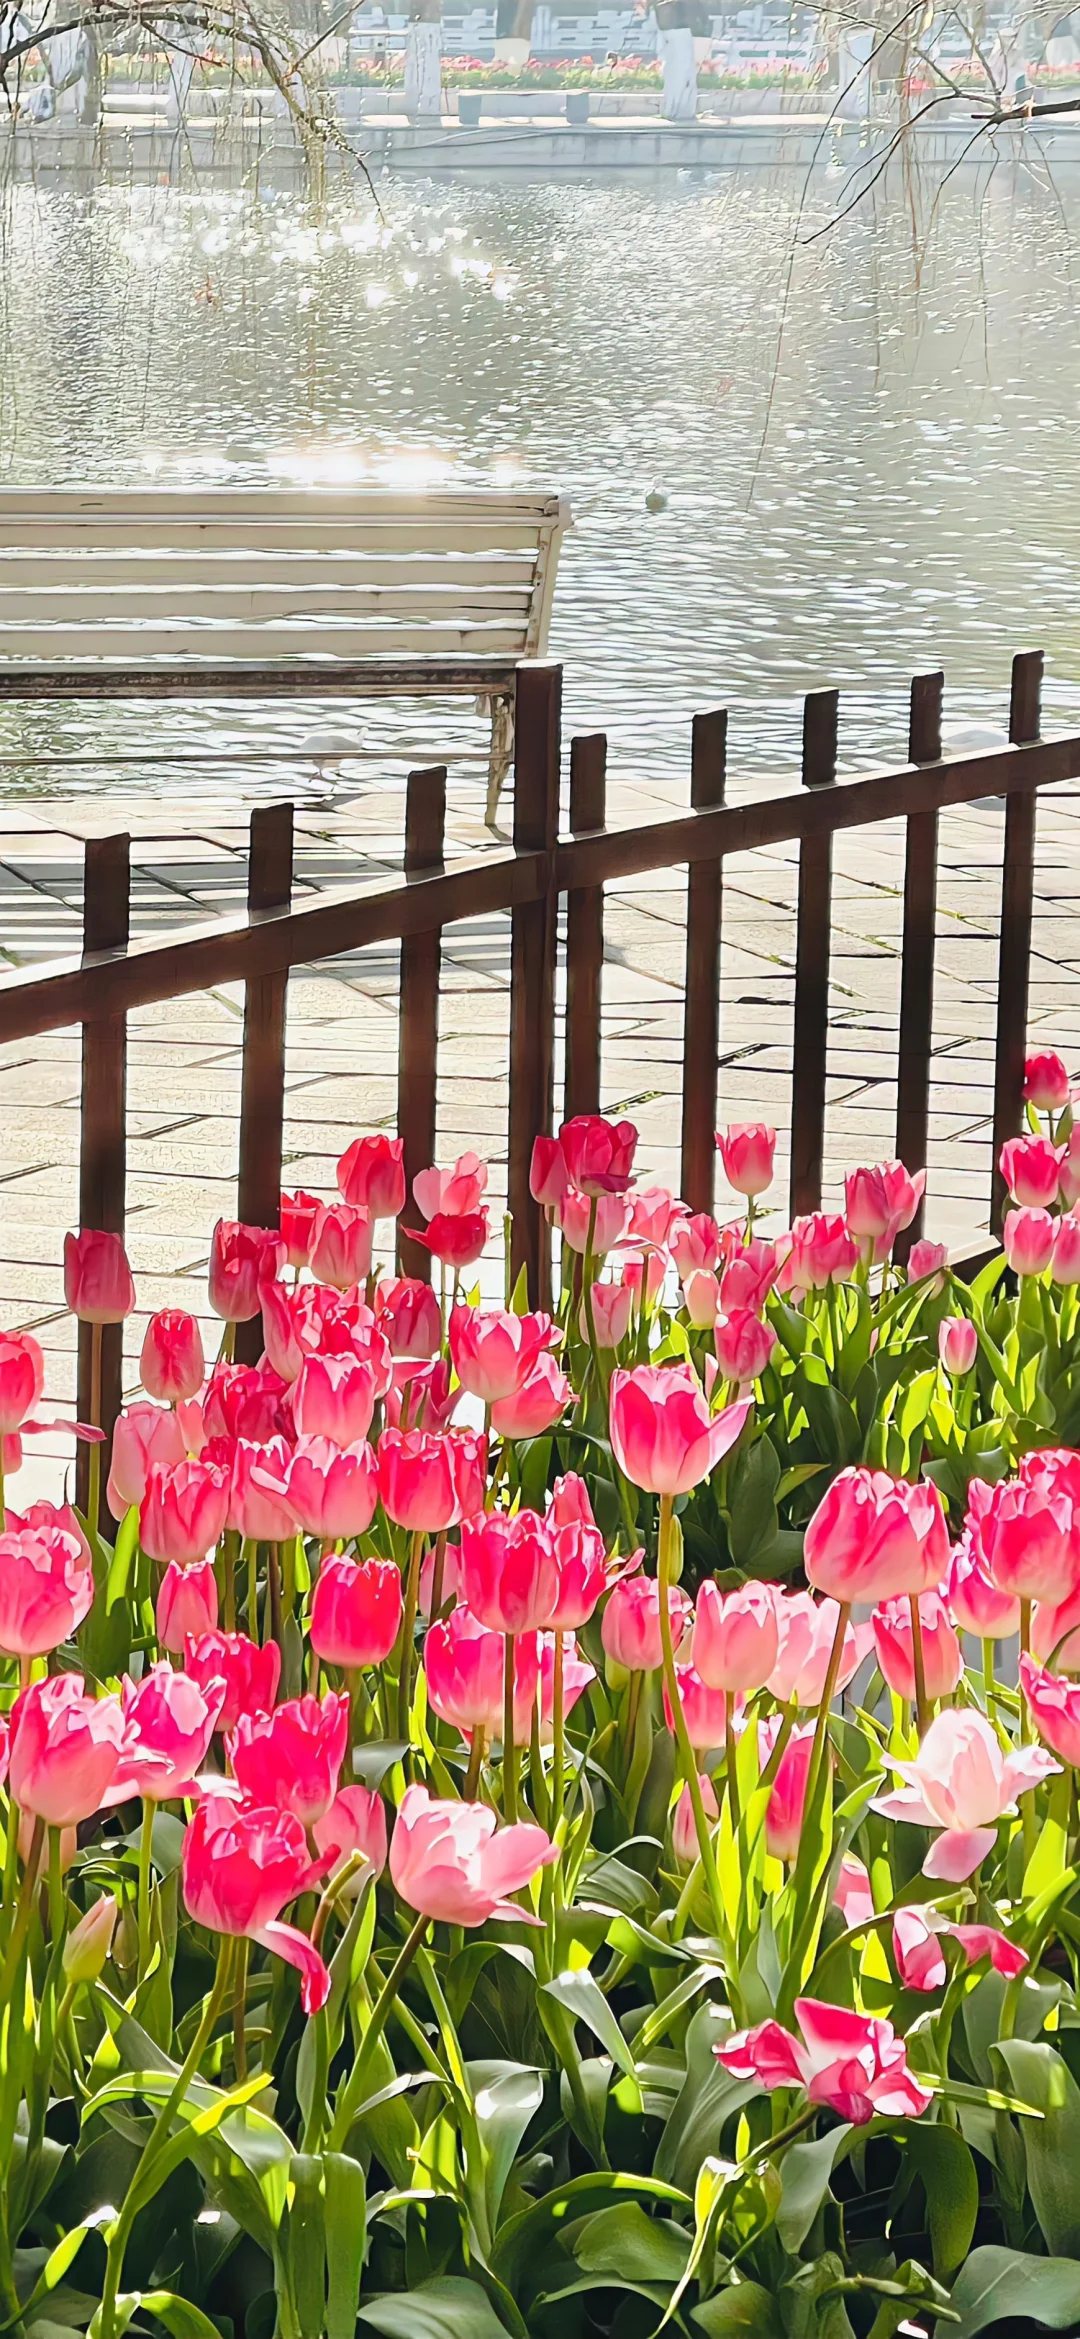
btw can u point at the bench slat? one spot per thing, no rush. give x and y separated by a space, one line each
229 503
310 605
133 642
245 534
88 568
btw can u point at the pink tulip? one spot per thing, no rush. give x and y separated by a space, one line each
540 1402
64 1751
341 1251
465 1666
569 1504
452 1193
925 1259
89 1942
748 1278
250 1674
448 1862
736 1638
240 1869
509 1571
599 1154
48 1519
608 1225
942 1655
852 2063
704 1710
22 1378
334 1397
299 1218
807 1630
684 1842
1027 1239
822 1251
355 1822
493 1351
630 1625
1055 1633
1028 1529
371 1175
332 1490
663 1435
787 1802
973 1597
866 1204
356 1612
746 1151
46 1589
172 1364
98 1286
854 1894
916 1940
695 1244
701 1298
417 1484
183 1512
425 1400
291 1758
743 1346
244 1401
580 1562
1046 1081
457 1239
187 1604
1030 1167
1054 1705
962 1783
259 1505
1065 1262
409 1317
958 1343
612 1308
577 1673
289 1330
873 1537
645 1273
169 1722
548 1176
653 1213
241 1258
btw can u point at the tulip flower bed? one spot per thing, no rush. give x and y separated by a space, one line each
452 1884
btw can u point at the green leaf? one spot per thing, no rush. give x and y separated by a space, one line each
372 1761
302 2241
951 2185
805 2175
124 1551
754 1479
505 2098
522 2241
746 2307
179 2316
346 2241
1052 2144
449 2308
623 2241
585 2000
707 2098
996 2283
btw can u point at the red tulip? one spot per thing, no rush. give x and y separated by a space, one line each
852 2063
663 1435
187 1604
493 1350
743 1345
169 1721
548 1176
64 1751
509 1571
746 1150
299 1219
408 1314
737 1637
452 1193
355 1822
332 1490
458 1240
465 1667
356 1611
172 1365
417 1485
1031 1167
873 1537
1027 1239
371 1175
341 1251
942 1655
46 1588
630 1625
1046 1082
291 1758
240 1869
22 1378
539 1403
98 1286
183 1512
448 1862
599 1154
250 1674
145 1437
334 1398
241 1258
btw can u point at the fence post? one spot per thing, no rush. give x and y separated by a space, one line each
1014 950
262 1082
533 930
701 1011
917 953
103 1130
585 934
811 1020
418 1025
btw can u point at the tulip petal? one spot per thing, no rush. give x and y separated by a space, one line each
906 1804
985 1941
512 1857
957 1853
288 1942
831 2032
1025 1767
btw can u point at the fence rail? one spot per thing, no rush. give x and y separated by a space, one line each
528 879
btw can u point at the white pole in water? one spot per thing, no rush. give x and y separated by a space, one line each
423 66
676 41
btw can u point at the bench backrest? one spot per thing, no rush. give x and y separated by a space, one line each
266 573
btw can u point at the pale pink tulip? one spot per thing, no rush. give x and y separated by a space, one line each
962 1784
736 1636
448 1862
917 1935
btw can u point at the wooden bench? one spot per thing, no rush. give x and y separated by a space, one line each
258 592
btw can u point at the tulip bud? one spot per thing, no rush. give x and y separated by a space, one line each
1046 1082
743 1345
89 1942
958 1342
1031 1168
746 1151
97 1279
172 1365
924 1259
1027 1239
1065 1264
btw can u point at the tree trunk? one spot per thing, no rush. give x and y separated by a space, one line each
513 31
423 60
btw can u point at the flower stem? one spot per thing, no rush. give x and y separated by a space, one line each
93 1472
408 1634
476 1764
558 1733
732 1775
352 2093
509 1748
918 1661
146 1840
682 1738
821 1734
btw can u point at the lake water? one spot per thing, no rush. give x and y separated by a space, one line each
866 437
